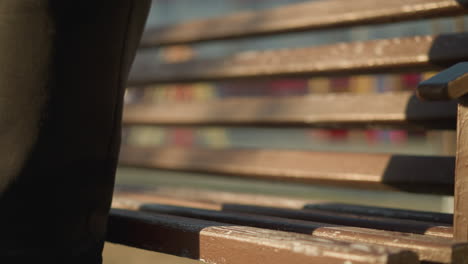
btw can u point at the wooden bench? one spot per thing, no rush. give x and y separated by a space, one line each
234 228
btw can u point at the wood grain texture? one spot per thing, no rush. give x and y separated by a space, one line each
400 109
300 17
451 83
374 171
396 55
461 174
428 248
214 242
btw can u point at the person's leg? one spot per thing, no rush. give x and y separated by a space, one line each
63 67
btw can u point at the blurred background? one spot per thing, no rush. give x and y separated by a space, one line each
375 141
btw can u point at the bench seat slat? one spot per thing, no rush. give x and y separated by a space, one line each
400 109
396 55
427 247
133 201
375 171
213 200
381 223
319 217
299 17
382 212
208 199
215 242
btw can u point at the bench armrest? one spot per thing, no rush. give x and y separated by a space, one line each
451 83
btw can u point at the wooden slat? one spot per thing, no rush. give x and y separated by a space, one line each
451 83
209 199
400 109
375 171
401 54
428 248
461 174
133 201
381 223
215 242
382 212
299 17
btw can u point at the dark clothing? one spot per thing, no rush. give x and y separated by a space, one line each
63 69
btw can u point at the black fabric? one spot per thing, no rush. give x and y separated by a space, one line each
55 205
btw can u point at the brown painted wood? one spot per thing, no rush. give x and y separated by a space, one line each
451 83
215 242
400 54
381 223
428 248
310 15
358 170
383 212
401 109
461 174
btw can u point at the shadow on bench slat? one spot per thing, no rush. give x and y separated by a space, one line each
381 223
213 200
382 212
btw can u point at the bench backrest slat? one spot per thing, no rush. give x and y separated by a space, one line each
300 17
386 110
387 55
374 171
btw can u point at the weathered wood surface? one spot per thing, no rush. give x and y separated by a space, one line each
461 174
400 109
358 170
215 242
427 247
381 223
451 83
300 17
396 55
